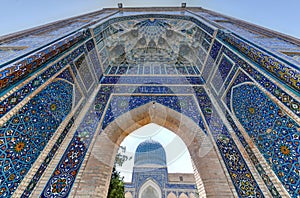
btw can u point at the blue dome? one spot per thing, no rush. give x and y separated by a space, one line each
150 152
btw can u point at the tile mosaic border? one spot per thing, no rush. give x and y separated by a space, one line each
282 71
14 72
9 101
216 126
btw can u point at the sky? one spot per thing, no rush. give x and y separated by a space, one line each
279 15
178 157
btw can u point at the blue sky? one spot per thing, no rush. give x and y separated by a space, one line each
279 15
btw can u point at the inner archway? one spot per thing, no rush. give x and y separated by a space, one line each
211 179
178 159
155 155
150 189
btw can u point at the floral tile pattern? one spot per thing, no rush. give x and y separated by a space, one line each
25 135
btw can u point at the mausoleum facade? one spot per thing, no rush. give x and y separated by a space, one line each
72 90
150 177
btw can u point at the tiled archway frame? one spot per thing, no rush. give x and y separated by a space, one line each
237 169
96 175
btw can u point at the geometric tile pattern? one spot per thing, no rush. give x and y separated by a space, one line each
183 104
275 134
64 175
152 152
216 46
26 134
144 46
84 71
267 180
221 73
94 58
33 182
287 73
174 80
77 95
242 78
66 75
7 104
237 168
20 69
271 87
152 69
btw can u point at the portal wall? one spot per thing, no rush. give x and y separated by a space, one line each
58 94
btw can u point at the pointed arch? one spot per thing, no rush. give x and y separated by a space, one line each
171 195
150 187
128 195
203 154
183 195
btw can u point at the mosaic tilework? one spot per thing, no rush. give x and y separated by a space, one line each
149 88
282 71
152 69
65 173
274 133
47 160
242 78
211 58
152 152
20 69
222 71
104 25
276 91
268 182
66 75
151 80
144 46
94 58
237 168
77 96
25 135
223 141
183 104
84 71
68 168
41 36
7 104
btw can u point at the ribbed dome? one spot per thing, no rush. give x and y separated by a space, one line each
150 152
